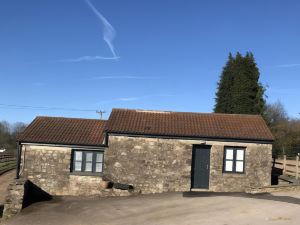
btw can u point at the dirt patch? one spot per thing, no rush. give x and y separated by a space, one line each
5 179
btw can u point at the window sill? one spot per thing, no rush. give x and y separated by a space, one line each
86 174
233 173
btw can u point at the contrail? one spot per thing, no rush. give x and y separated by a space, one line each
88 58
109 32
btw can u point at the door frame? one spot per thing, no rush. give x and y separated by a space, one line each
195 146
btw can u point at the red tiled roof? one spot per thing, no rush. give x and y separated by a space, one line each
182 124
58 130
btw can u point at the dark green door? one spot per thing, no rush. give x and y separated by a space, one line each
200 166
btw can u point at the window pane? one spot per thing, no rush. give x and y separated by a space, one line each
228 165
99 167
78 156
89 157
99 157
239 154
88 166
239 166
77 166
229 154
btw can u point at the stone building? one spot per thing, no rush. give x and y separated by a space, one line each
154 151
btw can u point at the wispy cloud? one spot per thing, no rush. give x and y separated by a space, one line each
88 58
146 96
109 35
109 32
128 99
121 78
288 65
137 98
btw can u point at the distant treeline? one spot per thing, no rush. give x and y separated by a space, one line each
286 130
8 133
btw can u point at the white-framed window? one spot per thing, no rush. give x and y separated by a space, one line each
77 165
234 160
85 161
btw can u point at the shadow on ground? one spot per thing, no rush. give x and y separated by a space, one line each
264 196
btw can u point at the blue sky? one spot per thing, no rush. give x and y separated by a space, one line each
158 54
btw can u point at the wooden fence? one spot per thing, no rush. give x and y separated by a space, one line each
7 162
289 165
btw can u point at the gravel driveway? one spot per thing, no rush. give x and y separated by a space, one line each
169 208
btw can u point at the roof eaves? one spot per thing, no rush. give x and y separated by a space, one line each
62 143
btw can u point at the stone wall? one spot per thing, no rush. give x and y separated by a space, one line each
155 165
14 199
22 193
151 165
258 166
48 167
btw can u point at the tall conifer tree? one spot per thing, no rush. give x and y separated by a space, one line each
223 94
239 90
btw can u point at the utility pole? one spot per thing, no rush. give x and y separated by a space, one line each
100 112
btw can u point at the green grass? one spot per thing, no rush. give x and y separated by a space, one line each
6 166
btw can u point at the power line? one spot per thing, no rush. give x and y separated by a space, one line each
30 107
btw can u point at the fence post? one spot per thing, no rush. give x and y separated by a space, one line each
284 164
297 166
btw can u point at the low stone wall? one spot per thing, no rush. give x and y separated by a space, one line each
14 199
22 193
274 188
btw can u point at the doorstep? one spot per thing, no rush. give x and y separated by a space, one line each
199 190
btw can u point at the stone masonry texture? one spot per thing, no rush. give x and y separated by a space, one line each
155 165
14 199
48 167
151 165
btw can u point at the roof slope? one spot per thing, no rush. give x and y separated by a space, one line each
182 124
59 130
